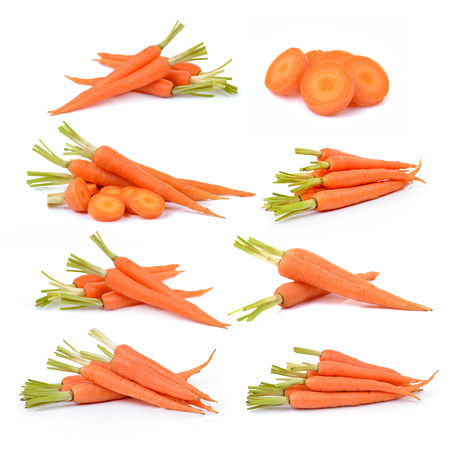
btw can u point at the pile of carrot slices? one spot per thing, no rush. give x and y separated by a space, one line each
337 180
127 284
336 380
313 276
107 185
118 373
150 73
328 81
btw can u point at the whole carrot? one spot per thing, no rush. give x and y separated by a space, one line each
324 154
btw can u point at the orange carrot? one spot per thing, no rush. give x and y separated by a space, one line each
146 203
110 380
106 208
297 268
324 154
76 196
371 81
327 88
188 373
336 55
216 189
149 73
286 71
288 295
340 163
333 355
314 56
111 190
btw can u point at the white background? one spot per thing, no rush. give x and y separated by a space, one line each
239 142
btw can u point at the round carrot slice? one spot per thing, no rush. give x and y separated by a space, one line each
314 56
106 208
285 72
111 190
78 195
147 203
371 81
336 55
125 196
327 87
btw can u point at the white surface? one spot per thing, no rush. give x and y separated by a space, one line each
241 142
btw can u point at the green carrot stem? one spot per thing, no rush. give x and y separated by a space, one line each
302 367
263 391
258 253
42 385
288 382
96 334
267 401
188 55
287 372
195 89
66 396
75 137
50 156
305 151
95 357
261 309
316 166
82 302
307 351
272 250
291 209
279 200
175 30
99 241
306 184
52 364
82 265
285 177
105 351
258 303
48 178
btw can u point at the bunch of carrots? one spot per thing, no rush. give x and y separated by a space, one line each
119 373
313 276
328 81
127 284
150 73
336 380
337 180
109 184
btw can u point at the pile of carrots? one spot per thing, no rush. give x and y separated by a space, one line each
109 184
127 284
337 380
150 73
337 180
120 373
313 276
328 81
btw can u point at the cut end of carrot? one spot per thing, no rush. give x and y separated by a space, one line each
146 203
106 208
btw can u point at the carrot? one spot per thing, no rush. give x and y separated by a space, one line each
110 380
327 88
128 351
371 81
139 275
286 71
288 295
106 208
125 196
146 203
216 189
339 163
135 371
333 355
149 73
115 162
87 170
336 55
76 196
189 294
193 69
306 267
124 285
314 56
324 154
188 373
111 190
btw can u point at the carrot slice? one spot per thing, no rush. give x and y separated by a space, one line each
327 88
78 195
371 81
111 190
285 72
93 189
314 56
106 208
125 196
336 55
147 203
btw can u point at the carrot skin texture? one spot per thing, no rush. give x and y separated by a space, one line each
92 173
128 351
299 270
295 292
340 163
316 400
188 373
82 280
77 195
96 290
115 162
88 392
116 383
332 355
131 369
217 190
71 379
